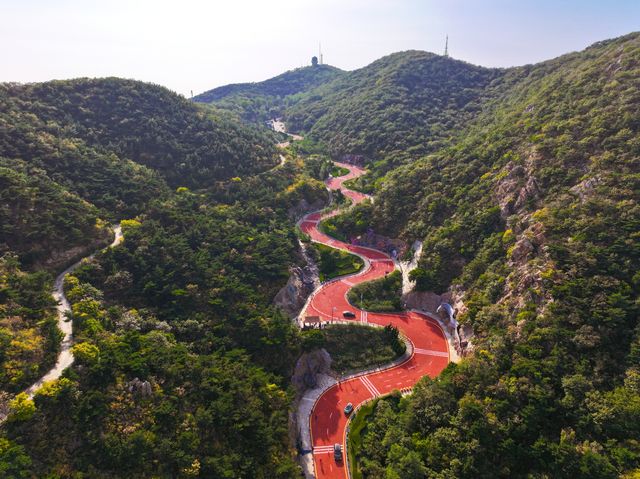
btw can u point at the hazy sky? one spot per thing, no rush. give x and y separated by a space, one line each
197 45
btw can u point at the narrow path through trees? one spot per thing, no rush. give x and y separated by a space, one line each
65 356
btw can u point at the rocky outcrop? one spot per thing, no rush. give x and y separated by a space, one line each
60 259
302 282
528 263
308 368
517 190
139 388
424 300
303 207
5 397
522 250
586 187
293 295
381 243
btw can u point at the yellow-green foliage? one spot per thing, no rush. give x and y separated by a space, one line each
86 353
21 408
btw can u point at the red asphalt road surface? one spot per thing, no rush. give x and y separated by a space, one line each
431 350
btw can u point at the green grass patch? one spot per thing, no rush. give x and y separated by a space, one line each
382 295
338 171
356 346
359 184
333 262
354 438
350 223
329 227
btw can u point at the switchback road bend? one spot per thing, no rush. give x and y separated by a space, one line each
430 348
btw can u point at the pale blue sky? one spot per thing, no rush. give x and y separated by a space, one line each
197 44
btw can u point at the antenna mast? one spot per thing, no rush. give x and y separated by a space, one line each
320 52
446 46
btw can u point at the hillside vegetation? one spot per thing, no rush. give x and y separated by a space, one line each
116 144
174 344
144 123
408 103
262 101
29 336
522 183
532 219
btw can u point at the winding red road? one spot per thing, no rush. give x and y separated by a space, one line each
430 347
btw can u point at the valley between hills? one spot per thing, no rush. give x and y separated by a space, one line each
422 268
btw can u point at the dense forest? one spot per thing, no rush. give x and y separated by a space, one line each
522 184
532 221
406 103
174 343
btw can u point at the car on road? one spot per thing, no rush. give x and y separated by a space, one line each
348 314
337 452
348 409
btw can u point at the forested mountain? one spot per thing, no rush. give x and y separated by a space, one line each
181 363
116 144
136 121
523 184
408 102
531 218
262 101
173 342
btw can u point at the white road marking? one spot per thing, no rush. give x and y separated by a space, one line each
320 449
431 352
369 385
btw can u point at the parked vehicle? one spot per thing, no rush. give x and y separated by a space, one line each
348 314
337 452
348 409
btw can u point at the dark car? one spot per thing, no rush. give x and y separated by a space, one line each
348 314
337 452
348 409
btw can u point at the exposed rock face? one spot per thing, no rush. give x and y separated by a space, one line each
139 388
304 207
308 367
62 258
522 250
528 262
302 282
292 296
407 266
425 300
516 190
381 242
465 333
586 188
5 397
